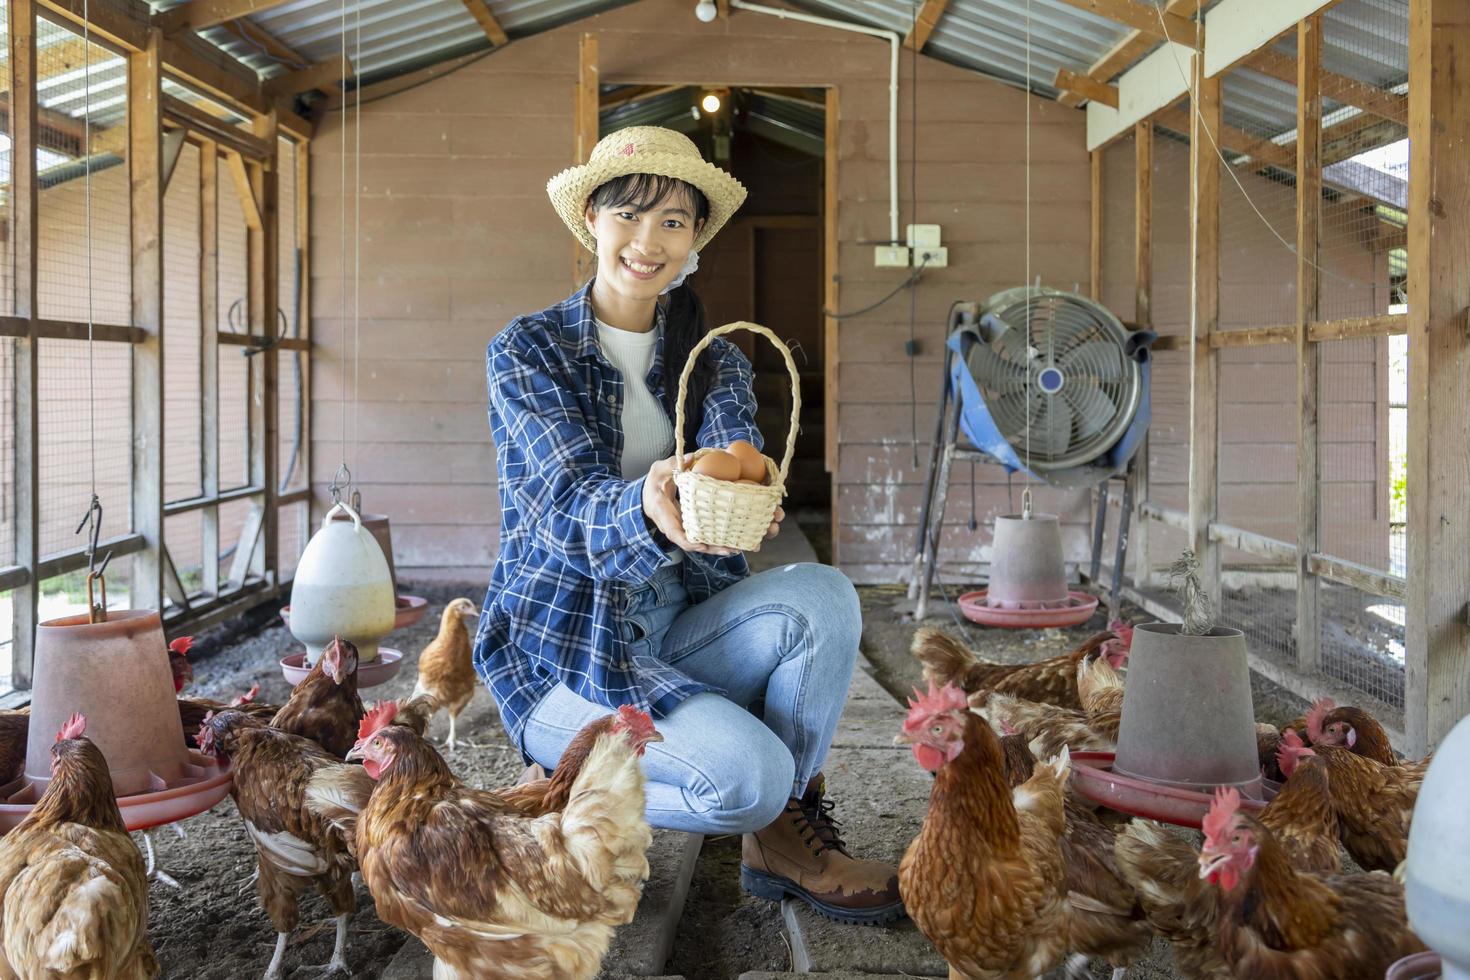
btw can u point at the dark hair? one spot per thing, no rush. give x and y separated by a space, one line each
685 321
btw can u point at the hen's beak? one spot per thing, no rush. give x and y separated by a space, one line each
1209 863
904 738
358 752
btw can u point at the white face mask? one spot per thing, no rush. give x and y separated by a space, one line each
690 265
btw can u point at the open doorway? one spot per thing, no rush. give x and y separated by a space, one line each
766 266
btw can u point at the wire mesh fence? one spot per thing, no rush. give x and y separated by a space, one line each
183 535
183 393
292 533
1363 645
84 207
1118 259
82 434
7 272
7 454
234 367
234 544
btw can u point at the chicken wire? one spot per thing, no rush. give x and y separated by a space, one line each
7 456
67 149
75 437
234 367
183 392
183 536
291 537
233 516
291 423
66 595
7 272
1117 287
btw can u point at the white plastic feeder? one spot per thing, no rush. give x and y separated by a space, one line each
1437 878
342 588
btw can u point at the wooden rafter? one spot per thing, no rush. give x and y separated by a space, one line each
196 15
487 22
252 33
1086 87
634 94
924 24
326 76
1341 88
1132 47
249 203
1141 17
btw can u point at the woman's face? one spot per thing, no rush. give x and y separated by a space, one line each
639 253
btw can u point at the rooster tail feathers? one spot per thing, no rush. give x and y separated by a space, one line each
944 658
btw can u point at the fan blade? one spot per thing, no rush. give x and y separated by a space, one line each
1009 412
1099 359
1094 409
1013 345
1051 427
993 372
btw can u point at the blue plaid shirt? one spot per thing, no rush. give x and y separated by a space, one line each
573 537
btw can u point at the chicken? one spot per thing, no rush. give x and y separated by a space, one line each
445 668
1268 748
416 711
1053 681
1302 815
295 847
1281 922
985 879
325 707
178 662
489 890
192 711
15 728
1352 727
75 893
1373 802
1048 728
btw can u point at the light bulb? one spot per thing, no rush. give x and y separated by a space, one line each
711 103
705 10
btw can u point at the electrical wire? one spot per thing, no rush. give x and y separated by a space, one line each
913 278
1026 493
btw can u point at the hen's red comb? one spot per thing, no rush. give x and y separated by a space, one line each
1291 739
938 699
74 727
635 721
182 645
247 697
379 717
1222 813
1320 710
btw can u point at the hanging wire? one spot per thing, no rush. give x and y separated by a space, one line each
1025 496
342 470
356 223
914 217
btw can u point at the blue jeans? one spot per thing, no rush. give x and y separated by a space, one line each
786 638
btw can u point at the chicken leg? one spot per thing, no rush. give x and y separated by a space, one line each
153 873
338 962
273 971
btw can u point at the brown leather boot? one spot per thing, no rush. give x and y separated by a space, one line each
802 855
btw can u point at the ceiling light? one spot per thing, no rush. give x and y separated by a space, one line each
706 11
711 102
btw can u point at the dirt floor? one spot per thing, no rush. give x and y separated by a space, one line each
209 932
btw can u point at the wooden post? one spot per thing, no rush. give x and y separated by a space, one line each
145 162
1308 235
303 246
1143 291
265 293
1094 161
831 267
1204 407
586 103
23 193
1437 674
209 355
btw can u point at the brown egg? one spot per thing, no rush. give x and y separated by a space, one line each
718 465
752 463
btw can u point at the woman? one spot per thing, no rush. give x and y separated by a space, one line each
598 599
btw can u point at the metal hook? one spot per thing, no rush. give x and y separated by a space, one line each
341 480
95 572
1026 504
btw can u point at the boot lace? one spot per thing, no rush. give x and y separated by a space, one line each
815 815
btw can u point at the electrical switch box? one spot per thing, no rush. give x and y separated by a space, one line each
923 236
890 256
931 258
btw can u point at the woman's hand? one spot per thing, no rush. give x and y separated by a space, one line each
661 506
776 520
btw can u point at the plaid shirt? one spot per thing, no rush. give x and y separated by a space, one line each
573 537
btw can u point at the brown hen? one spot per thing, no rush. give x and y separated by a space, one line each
1052 681
325 706
446 670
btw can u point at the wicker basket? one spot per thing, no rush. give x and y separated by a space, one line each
717 512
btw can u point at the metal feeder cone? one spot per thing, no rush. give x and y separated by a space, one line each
1188 721
1026 567
116 673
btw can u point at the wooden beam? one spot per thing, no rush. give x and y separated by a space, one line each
215 74
1437 661
145 163
1095 225
1233 140
173 148
324 76
1252 543
924 24
253 34
1308 309
1360 577
123 24
243 188
1087 88
196 15
203 124
24 252
265 292
1143 291
619 99
1132 47
1255 336
1341 88
209 356
830 283
493 31
1386 325
586 125
1141 17
1204 424
105 333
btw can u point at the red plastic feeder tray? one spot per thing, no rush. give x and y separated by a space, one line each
204 784
1094 778
380 671
407 610
1074 610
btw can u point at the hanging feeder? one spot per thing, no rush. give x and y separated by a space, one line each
1437 870
1028 577
342 588
116 673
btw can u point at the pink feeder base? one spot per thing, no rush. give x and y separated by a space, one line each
204 784
1417 966
408 609
1074 610
380 671
1094 778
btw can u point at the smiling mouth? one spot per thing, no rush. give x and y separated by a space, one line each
640 269
1215 863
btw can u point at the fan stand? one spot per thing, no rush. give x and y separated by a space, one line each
947 447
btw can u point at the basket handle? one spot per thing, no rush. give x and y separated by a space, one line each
684 392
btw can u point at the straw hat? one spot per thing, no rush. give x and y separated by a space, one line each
644 150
